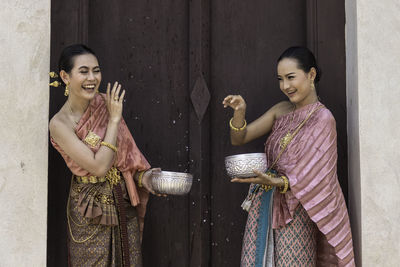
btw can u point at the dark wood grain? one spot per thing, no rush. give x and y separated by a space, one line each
158 50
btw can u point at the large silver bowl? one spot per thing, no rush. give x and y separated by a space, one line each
243 165
172 183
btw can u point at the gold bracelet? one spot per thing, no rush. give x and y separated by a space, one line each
266 187
237 129
114 148
140 178
286 186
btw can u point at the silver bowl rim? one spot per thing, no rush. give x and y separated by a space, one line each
176 174
246 155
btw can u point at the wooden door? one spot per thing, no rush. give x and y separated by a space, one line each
178 59
246 41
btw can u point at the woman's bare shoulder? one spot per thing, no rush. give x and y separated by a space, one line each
59 122
282 108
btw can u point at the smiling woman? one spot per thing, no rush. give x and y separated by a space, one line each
297 213
111 177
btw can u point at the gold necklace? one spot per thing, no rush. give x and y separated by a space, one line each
72 114
288 136
92 139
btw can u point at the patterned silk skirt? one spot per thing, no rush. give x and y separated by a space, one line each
293 245
94 242
296 243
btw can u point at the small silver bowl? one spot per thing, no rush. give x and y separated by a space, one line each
172 183
243 165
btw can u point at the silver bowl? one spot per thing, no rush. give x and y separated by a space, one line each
172 183
243 165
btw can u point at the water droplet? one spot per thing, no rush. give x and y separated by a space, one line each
204 220
212 224
173 121
219 215
198 180
227 239
193 203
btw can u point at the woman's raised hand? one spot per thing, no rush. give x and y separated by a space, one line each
236 102
114 100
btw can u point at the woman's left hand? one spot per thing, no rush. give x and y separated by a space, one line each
146 181
261 178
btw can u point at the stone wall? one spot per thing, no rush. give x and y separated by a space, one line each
24 63
373 79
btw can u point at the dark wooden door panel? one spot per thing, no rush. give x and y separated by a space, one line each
331 55
246 42
163 50
144 46
67 27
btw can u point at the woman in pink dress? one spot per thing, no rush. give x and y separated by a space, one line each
111 177
297 212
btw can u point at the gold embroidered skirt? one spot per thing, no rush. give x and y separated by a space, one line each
94 226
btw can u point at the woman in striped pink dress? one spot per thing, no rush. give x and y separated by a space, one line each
297 212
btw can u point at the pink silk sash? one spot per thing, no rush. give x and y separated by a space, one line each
128 160
309 162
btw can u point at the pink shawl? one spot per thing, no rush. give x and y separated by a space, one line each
128 160
309 162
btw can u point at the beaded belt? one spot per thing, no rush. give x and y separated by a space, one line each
113 176
90 179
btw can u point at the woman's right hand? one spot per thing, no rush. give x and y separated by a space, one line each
236 102
114 101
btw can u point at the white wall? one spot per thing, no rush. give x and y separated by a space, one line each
373 84
24 63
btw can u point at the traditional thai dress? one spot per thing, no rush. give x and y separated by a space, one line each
309 224
105 214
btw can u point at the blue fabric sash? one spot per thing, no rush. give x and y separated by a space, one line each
264 225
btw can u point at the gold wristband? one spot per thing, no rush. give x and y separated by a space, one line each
286 186
237 129
114 148
140 184
266 187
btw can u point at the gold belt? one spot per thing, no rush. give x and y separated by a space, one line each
113 176
90 179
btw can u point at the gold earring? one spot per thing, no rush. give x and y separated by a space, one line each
55 84
312 85
52 74
97 90
66 92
